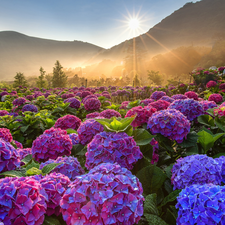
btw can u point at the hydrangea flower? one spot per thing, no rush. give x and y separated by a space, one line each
55 185
222 86
92 115
146 101
70 166
87 97
216 98
109 113
108 194
9 157
85 93
167 98
113 148
23 201
179 96
51 144
160 105
211 83
5 134
208 104
88 129
170 123
221 161
68 121
3 112
19 101
125 104
189 107
155 155
192 95
201 204
29 107
142 115
220 112
195 169
92 104
157 95
18 144
74 138
74 102
23 152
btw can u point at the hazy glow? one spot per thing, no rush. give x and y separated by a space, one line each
134 23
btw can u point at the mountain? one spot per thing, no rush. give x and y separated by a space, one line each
22 53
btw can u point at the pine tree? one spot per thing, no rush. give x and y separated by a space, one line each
41 83
59 78
19 80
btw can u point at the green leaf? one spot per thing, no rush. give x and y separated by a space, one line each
150 205
13 173
171 197
71 131
170 217
206 120
206 140
115 124
48 168
152 178
27 159
142 136
33 171
32 164
154 220
76 149
50 220
219 154
168 171
220 123
217 136
125 122
190 141
24 128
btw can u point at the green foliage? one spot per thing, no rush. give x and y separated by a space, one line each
155 77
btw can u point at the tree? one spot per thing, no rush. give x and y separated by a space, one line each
136 81
19 80
59 78
155 77
48 77
40 81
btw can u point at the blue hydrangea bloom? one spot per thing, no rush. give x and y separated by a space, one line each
29 107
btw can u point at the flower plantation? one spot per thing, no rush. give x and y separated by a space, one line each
114 155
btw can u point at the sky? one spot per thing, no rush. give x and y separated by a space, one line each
101 22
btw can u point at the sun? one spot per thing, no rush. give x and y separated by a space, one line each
134 23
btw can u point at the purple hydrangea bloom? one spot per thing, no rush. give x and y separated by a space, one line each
23 201
9 157
29 107
74 102
216 98
108 194
146 101
155 155
55 185
156 95
23 152
68 121
74 138
5 134
70 166
88 129
87 97
92 104
51 144
85 93
189 107
113 148
221 161
195 169
170 123
201 204
18 144
19 101
109 113
92 115
159 104
208 105
167 98
179 96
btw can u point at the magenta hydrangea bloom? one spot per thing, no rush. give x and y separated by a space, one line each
211 83
74 138
70 166
87 97
195 169
92 115
217 98
74 102
155 155
19 101
179 96
68 121
170 123
189 107
108 194
18 144
9 157
208 105
167 98
5 134
192 95
92 104
113 148
147 101
55 185
109 113
157 95
222 86
51 144
29 107
160 105
88 129
142 115
3 112
85 93
23 201
201 204
125 104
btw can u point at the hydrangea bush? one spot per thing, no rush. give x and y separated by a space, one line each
68 121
